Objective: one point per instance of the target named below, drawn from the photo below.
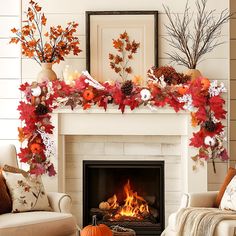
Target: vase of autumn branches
(192, 36)
(45, 47)
(47, 73)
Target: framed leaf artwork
(121, 45)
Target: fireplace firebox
(125, 193)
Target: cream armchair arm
(60, 202)
(206, 199)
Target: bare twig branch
(192, 42)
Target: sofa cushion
(37, 224)
(229, 198)
(172, 221)
(225, 227)
(27, 192)
(230, 174)
(5, 199)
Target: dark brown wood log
(124, 232)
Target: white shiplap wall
(10, 72)
(216, 65)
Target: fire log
(121, 231)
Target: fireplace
(125, 193)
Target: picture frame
(104, 26)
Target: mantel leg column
(194, 180)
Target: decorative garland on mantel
(200, 96)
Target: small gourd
(96, 230)
(104, 206)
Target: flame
(134, 205)
(113, 202)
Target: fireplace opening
(125, 193)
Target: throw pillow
(5, 199)
(27, 193)
(228, 201)
(230, 174)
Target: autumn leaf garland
(202, 98)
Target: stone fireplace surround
(136, 135)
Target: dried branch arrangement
(43, 46)
(126, 50)
(193, 37)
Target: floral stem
(214, 165)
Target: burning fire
(134, 206)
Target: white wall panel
(9, 7)
(9, 88)
(9, 68)
(8, 108)
(75, 6)
(7, 23)
(8, 50)
(8, 128)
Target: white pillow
(228, 201)
(27, 193)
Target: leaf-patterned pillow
(27, 193)
(228, 201)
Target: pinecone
(210, 126)
(41, 110)
(127, 87)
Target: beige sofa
(207, 199)
(58, 222)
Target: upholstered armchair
(58, 222)
(204, 200)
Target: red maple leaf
(161, 102)
(199, 100)
(131, 102)
(203, 153)
(201, 114)
(37, 169)
(173, 102)
(25, 155)
(198, 139)
(27, 112)
(216, 104)
(80, 83)
(86, 106)
(219, 128)
(224, 155)
(24, 86)
(51, 170)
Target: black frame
(125, 164)
(87, 20)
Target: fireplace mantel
(142, 121)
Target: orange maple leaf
(194, 120)
(43, 20)
(14, 30)
(37, 7)
(21, 135)
(118, 44)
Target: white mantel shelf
(141, 121)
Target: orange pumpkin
(35, 148)
(182, 90)
(96, 230)
(88, 95)
(205, 83)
